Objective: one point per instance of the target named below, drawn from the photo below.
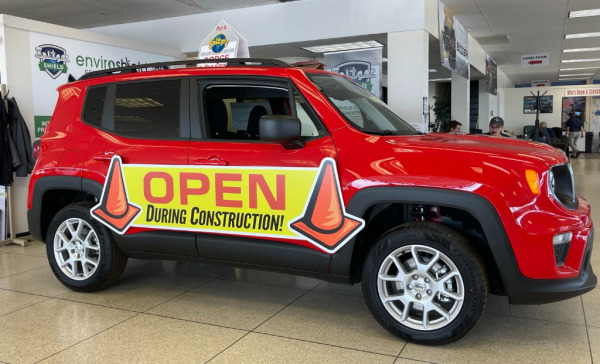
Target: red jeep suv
(257, 164)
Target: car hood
(461, 149)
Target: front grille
(562, 185)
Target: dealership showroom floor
(183, 312)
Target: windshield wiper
(378, 132)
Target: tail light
(36, 149)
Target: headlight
(562, 185)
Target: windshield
(362, 109)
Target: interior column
(408, 75)
(461, 92)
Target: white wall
(15, 53)
(513, 108)
(515, 119)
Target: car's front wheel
(424, 283)
(81, 251)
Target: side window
(233, 111)
(311, 125)
(94, 104)
(148, 109)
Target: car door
(140, 126)
(252, 185)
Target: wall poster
(546, 104)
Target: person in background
(544, 135)
(455, 127)
(497, 127)
(574, 130)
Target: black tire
(81, 250)
(434, 302)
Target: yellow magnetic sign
(257, 201)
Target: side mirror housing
(281, 129)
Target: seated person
(497, 127)
(544, 134)
(454, 127)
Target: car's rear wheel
(424, 283)
(81, 251)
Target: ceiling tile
(10, 6)
(158, 11)
(96, 20)
(119, 5)
(62, 11)
(583, 25)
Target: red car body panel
(493, 168)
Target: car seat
(217, 120)
(253, 121)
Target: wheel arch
(51, 194)
(385, 207)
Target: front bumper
(523, 290)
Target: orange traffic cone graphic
(114, 209)
(324, 221)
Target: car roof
(198, 63)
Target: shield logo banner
(53, 59)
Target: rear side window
(145, 110)
(148, 109)
(94, 104)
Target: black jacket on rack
(6, 169)
(21, 137)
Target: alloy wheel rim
(76, 249)
(420, 287)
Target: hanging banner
(491, 74)
(54, 58)
(454, 42)
(363, 66)
(223, 42)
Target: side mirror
(281, 129)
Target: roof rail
(188, 62)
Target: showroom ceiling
(507, 29)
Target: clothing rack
(10, 228)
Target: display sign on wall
(54, 58)
(454, 42)
(546, 104)
(363, 66)
(570, 92)
(491, 74)
(223, 42)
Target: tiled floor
(177, 312)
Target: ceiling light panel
(590, 49)
(584, 13)
(343, 46)
(580, 60)
(582, 35)
(577, 74)
(579, 68)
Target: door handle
(106, 156)
(213, 160)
